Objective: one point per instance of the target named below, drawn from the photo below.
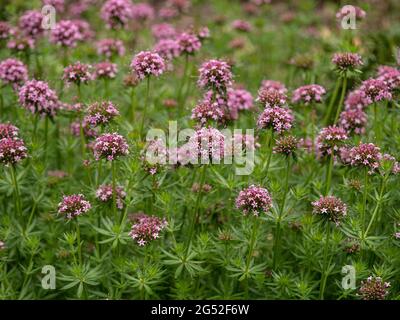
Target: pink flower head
(163, 31)
(5, 30)
(206, 111)
(110, 48)
(346, 10)
(167, 48)
(73, 206)
(188, 43)
(7, 130)
(365, 155)
(116, 13)
(254, 200)
(77, 73)
(105, 194)
(146, 228)
(243, 143)
(84, 29)
(353, 121)
(12, 151)
(105, 70)
(100, 113)
(270, 98)
(239, 99)
(374, 289)
(37, 97)
(241, 25)
(374, 90)
(59, 5)
(203, 33)
(347, 61)
(355, 100)
(20, 42)
(14, 72)
(276, 118)
(110, 146)
(390, 76)
(154, 156)
(142, 12)
(208, 144)
(331, 208)
(215, 75)
(308, 94)
(272, 84)
(179, 5)
(66, 34)
(330, 140)
(147, 63)
(30, 23)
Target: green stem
(324, 275)
(253, 238)
(114, 186)
(270, 144)
(132, 111)
(46, 130)
(16, 191)
(364, 203)
(280, 214)
(183, 82)
(339, 107)
(378, 204)
(78, 239)
(332, 101)
(146, 106)
(329, 175)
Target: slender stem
(270, 144)
(114, 189)
(196, 208)
(46, 130)
(146, 106)
(82, 136)
(253, 238)
(377, 130)
(106, 89)
(329, 175)
(364, 203)
(339, 107)
(78, 239)
(332, 101)
(324, 275)
(132, 111)
(280, 214)
(179, 97)
(378, 204)
(16, 190)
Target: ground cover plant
(123, 123)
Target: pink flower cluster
(14, 72)
(73, 205)
(110, 146)
(20, 42)
(66, 34)
(390, 76)
(146, 228)
(110, 48)
(188, 43)
(206, 144)
(374, 289)
(37, 97)
(239, 99)
(374, 90)
(308, 94)
(77, 73)
(270, 98)
(100, 113)
(147, 63)
(163, 31)
(12, 151)
(205, 111)
(5, 30)
(347, 61)
(7, 130)
(330, 207)
(275, 85)
(355, 101)
(167, 48)
(142, 12)
(116, 13)
(345, 11)
(286, 145)
(241, 25)
(105, 194)
(276, 118)
(330, 140)
(353, 121)
(30, 23)
(215, 75)
(365, 155)
(254, 200)
(59, 5)
(105, 70)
